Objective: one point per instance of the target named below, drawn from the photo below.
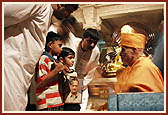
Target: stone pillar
(91, 19)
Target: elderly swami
(141, 74)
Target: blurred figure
(25, 29)
(67, 30)
(158, 56)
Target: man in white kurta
(85, 66)
(24, 34)
(25, 29)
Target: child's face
(56, 47)
(69, 60)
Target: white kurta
(26, 26)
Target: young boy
(67, 58)
(47, 91)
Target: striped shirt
(47, 96)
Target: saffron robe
(142, 76)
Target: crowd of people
(41, 56)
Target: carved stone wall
(104, 16)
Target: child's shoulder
(44, 58)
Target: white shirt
(26, 27)
(74, 98)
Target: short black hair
(74, 79)
(65, 52)
(75, 6)
(92, 33)
(52, 36)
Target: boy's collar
(47, 54)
